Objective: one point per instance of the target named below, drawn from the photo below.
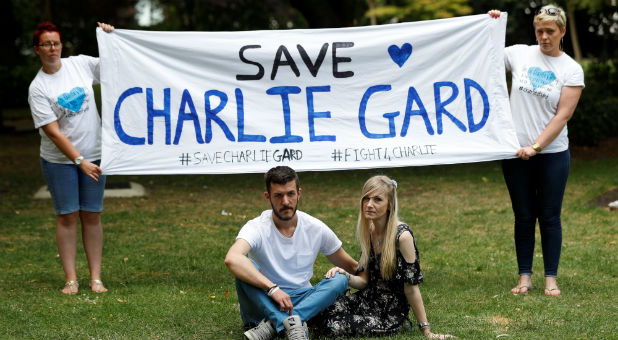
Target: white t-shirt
(537, 80)
(67, 97)
(288, 262)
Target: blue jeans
(536, 187)
(71, 189)
(255, 305)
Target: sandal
(99, 286)
(552, 291)
(521, 289)
(73, 284)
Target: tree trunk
(372, 7)
(573, 31)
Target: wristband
(423, 325)
(272, 290)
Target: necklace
(378, 241)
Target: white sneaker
(263, 331)
(295, 328)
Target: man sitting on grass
(282, 244)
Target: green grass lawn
(163, 254)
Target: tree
(414, 10)
(600, 20)
(577, 51)
(328, 13)
(592, 24)
(76, 21)
(16, 68)
(216, 15)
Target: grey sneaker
(263, 331)
(295, 328)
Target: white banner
(421, 93)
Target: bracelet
(347, 276)
(272, 290)
(423, 325)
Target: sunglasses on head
(549, 11)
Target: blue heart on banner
(72, 100)
(539, 78)
(400, 55)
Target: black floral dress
(380, 309)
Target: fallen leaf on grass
(212, 296)
(227, 292)
(183, 292)
(121, 300)
(501, 335)
(126, 259)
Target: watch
(423, 325)
(78, 160)
(537, 147)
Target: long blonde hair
(378, 185)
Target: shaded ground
(607, 148)
(606, 198)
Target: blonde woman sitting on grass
(388, 275)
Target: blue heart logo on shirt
(72, 100)
(539, 78)
(400, 55)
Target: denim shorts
(71, 189)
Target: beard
(282, 209)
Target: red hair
(42, 28)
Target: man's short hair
(280, 175)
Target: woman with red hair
(62, 103)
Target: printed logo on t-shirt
(539, 78)
(72, 100)
(72, 103)
(536, 82)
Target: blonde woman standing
(388, 275)
(546, 86)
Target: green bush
(596, 115)
(14, 82)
